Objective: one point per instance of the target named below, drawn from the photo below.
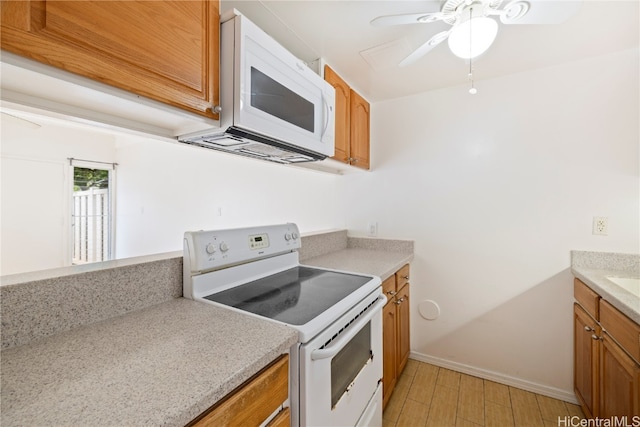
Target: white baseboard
(556, 393)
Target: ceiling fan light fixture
(484, 30)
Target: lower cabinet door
(403, 313)
(253, 402)
(619, 381)
(388, 351)
(585, 351)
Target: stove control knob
(287, 237)
(224, 247)
(294, 235)
(210, 248)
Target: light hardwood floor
(427, 395)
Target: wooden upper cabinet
(352, 123)
(164, 50)
(343, 105)
(359, 131)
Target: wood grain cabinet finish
(606, 357)
(164, 50)
(352, 129)
(395, 330)
(360, 130)
(252, 403)
(389, 354)
(619, 381)
(585, 364)
(343, 123)
(403, 340)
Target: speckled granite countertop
(593, 268)
(377, 262)
(162, 365)
(124, 349)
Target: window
(91, 213)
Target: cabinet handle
(392, 293)
(588, 329)
(595, 337)
(217, 109)
(398, 302)
(405, 277)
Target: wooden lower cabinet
(402, 324)
(606, 365)
(395, 330)
(388, 351)
(619, 381)
(253, 402)
(585, 360)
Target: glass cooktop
(293, 296)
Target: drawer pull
(595, 337)
(588, 329)
(392, 293)
(400, 301)
(405, 277)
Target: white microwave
(273, 106)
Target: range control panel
(210, 250)
(259, 241)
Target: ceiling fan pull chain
(472, 90)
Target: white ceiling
(338, 31)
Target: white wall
(165, 189)
(36, 186)
(496, 189)
(162, 190)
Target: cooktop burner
(294, 296)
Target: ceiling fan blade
(422, 50)
(409, 18)
(540, 11)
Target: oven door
(340, 369)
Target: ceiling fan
(473, 27)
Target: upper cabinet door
(359, 131)
(342, 128)
(165, 50)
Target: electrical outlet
(373, 229)
(600, 225)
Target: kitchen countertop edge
(621, 299)
(186, 378)
(379, 263)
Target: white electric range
(336, 367)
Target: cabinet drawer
(402, 277)
(283, 419)
(389, 287)
(624, 330)
(254, 401)
(587, 298)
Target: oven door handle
(344, 339)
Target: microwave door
(279, 102)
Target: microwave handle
(350, 333)
(326, 115)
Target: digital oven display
(259, 241)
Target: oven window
(271, 97)
(348, 363)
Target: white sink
(629, 284)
